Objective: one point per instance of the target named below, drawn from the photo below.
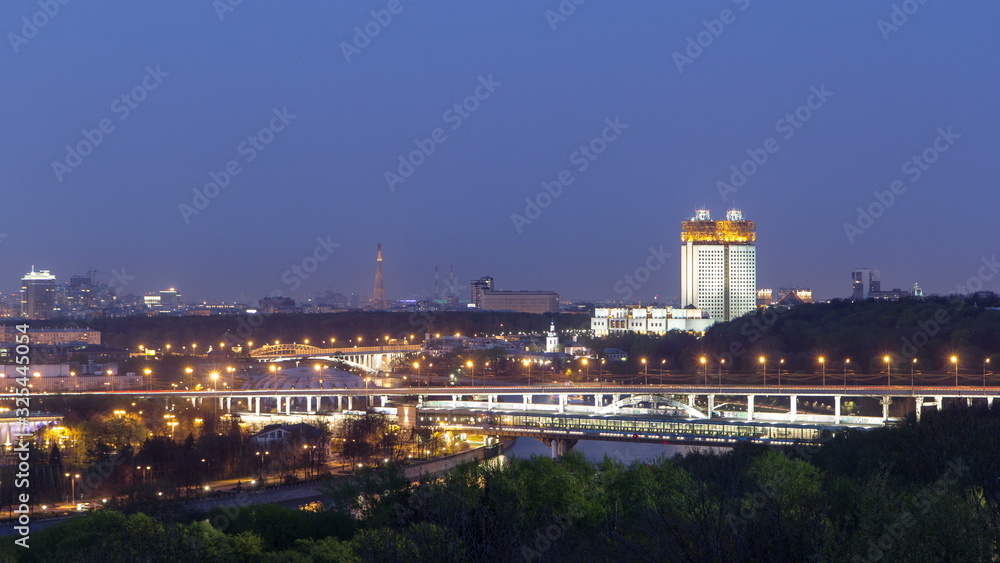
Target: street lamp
(416, 366)
(72, 486)
(646, 373)
(888, 370)
(913, 364)
(781, 361)
(954, 360)
(763, 367)
(847, 362)
(215, 380)
(985, 363)
(586, 365)
(472, 372)
(722, 361)
(822, 365)
(527, 365)
(149, 382)
(274, 375)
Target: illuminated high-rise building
(38, 295)
(719, 264)
(378, 297)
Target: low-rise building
(649, 320)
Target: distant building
(53, 336)
(719, 264)
(38, 295)
(865, 281)
(170, 299)
(378, 301)
(552, 340)
(521, 301)
(893, 295)
(648, 320)
(477, 288)
(300, 433)
(271, 305)
(787, 296)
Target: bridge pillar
(527, 400)
(598, 401)
(691, 400)
(918, 405)
(749, 407)
(383, 400)
(793, 407)
(836, 409)
(350, 402)
(288, 405)
(886, 401)
(940, 403)
(968, 401)
(454, 401)
(309, 404)
(222, 403)
(257, 402)
(562, 402)
(229, 404)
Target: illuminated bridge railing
(670, 430)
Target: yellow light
(761, 359)
(822, 359)
(954, 359)
(702, 359)
(885, 359)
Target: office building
(521, 301)
(864, 281)
(38, 295)
(719, 264)
(648, 320)
(477, 288)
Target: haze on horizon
(341, 108)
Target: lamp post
(644, 372)
(847, 362)
(781, 361)
(416, 366)
(722, 361)
(188, 372)
(527, 366)
(586, 366)
(888, 370)
(472, 371)
(149, 383)
(822, 365)
(72, 486)
(954, 360)
(763, 367)
(704, 367)
(913, 364)
(274, 375)
(985, 363)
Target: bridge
(369, 358)
(744, 402)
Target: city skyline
(488, 161)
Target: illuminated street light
(822, 365)
(954, 360)
(646, 373)
(888, 370)
(763, 367)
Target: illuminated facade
(719, 264)
(38, 295)
(648, 320)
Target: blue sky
(211, 82)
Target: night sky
(200, 80)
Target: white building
(648, 320)
(719, 264)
